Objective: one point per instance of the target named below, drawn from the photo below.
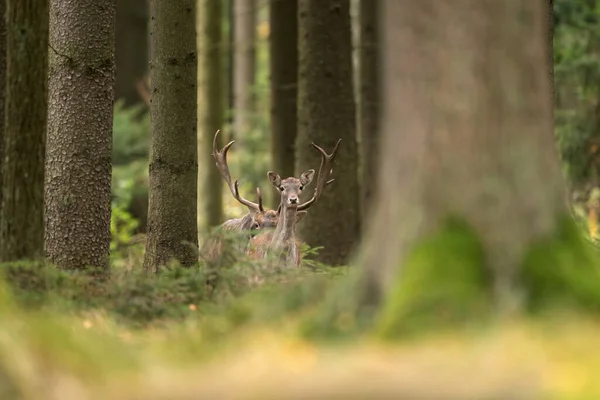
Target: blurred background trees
(257, 84)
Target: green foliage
(131, 131)
(242, 290)
(563, 270)
(577, 87)
(122, 223)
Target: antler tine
(259, 196)
(325, 171)
(221, 163)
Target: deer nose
(293, 200)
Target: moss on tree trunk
(24, 145)
(326, 112)
(78, 157)
(172, 231)
(283, 41)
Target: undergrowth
(241, 289)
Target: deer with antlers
(282, 241)
(256, 219)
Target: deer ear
(300, 215)
(274, 178)
(307, 177)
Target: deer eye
(281, 188)
(301, 187)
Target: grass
(175, 337)
(92, 356)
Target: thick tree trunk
(22, 164)
(211, 103)
(2, 88)
(78, 164)
(326, 112)
(131, 48)
(244, 65)
(172, 230)
(283, 41)
(368, 107)
(467, 132)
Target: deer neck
(286, 226)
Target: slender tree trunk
(212, 103)
(78, 163)
(550, 45)
(22, 164)
(467, 133)
(283, 41)
(326, 112)
(131, 48)
(244, 65)
(368, 107)
(172, 230)
(2, 89)
(230, 62)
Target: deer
(282, 241)
(256, 219)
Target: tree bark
(3, 89)
(468, 132)
(212, 103)
(368, 107)
(172, 230)
(229, 57)
(283, 42)
(244, 65)
(326, 112)
(22, 164)
(78, 164)
(131, 48)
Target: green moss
(562, 271)
(442, 282)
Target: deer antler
(325, 171)
(221, 163)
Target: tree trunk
(2, 89)
(131, 48)
(229, 56)
(172, 229)
(78, 164)
(283, 41)
(212, 103)
(550, 44)
(22, 211)
(326, 112)
(244, 65)
(368, 107)
(467, 134)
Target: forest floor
(91, 356)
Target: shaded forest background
(577, 127)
